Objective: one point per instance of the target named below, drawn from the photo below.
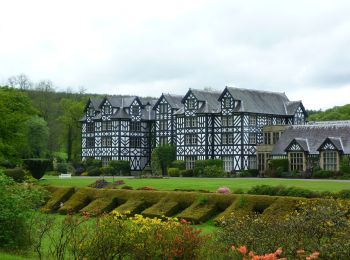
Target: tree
(15, 110)
(162, 156)
(37, 135)
(71, 135)
(20, 81)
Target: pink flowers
(223, 190)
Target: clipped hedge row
(192, 206)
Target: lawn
(210, 184)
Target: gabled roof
(336, 141)
(316, 134)
(258, 101)
(95, 103)
(301, 142)
(173, 100)
(120, 114)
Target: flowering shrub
(99, 184)
(223, 190)
(321, 225)
(119, 182)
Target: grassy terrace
(210, 184)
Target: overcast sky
(149, 47)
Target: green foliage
(37, 137)
(162, 156)
(62, 167)
(174, 172)
(187, 173)
(320, 225)
(69, 120)
(248, 173)
(120, 168)
(92, 162)
(213, 171)
(201, 164)
(283, 191)
(77, 201)
(107, 171)
(61, 157)
(181, 165)
(17, 174)
(18, 203)
(94, 171)
(277, 167)
(37, 167)
(344, 166)
(15, 110)
(322, 174)
(335, 113)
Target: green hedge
(200, 165)
(120, 167)
(79, 200)
(17, 174)
(277, 167)
(58, 195)
(37, 166)
(174, 172)
(181, 165)
(187, 173)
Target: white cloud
(150, 47)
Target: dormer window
(107, 110)
(135, 110)
(91, 111)
(191, 104)
(163, 108)
(227, 103)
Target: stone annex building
(225, 125)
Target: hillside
(335, 113)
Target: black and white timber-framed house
(202, 124)
(119, 128)
(316, 144)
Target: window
(89, 127)
(106, 126)
(228, 163)
(107, 109)
(106, 141)
(163, 108)
(252, 120)
(191, 122)
(135, 126)
(90, 142)
(227, 121)
(227, 138)
(252, 138)
(278, 121)
(252, 162)
(135, 110)
(191, 104)
(190, 161)
(262, 161)
(296, 161)
(227, 103)
(105, 160)
(330, 160)
(163, 125)
(275, 137)
(91, 112)
(267, 138)
(163, 140)
(191, 139)
(135, 142)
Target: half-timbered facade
(315, 144)
(119, 128)
(202, 124)
(165, 123)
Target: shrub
(322, 174)
(126, 187)
(344, 166)
(99, 184)
(248, 173)
(213, 172)
(343, 194)
(17, 174)
(120, 167)
(174, 172)
(277, 166)
(107, 171)
(315, 225)
(283, 191)
(37, 167)
(7, 164)
(181, 165)
(223, 190)
(93, 171)
(79, 170)
(200, 166)
(18, 203)
(186, 173)
(62, 167)
(92, 162)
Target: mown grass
(204, 183)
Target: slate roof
(174, 100)
(267, 102)
(315, 134)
